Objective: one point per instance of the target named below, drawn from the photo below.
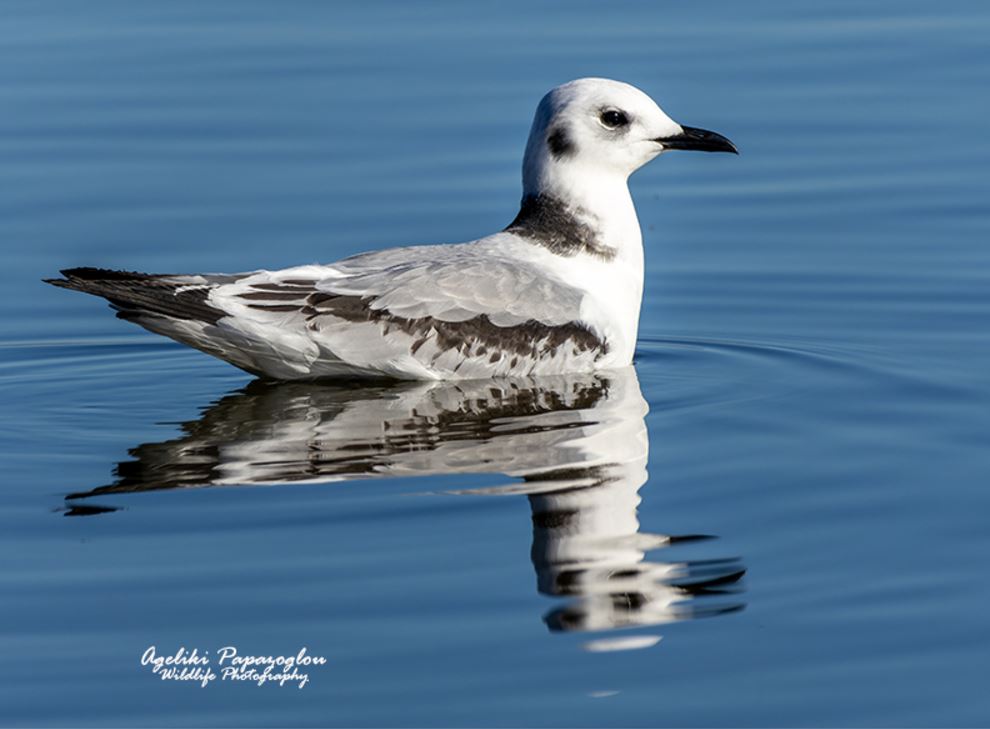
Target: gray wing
(507, 293)
(428, 312)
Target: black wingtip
(75, 274)
(89, 273)
(74, 277)
(86, 272)
(675, 539)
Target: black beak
(700, 140)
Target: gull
(557, 291)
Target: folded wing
(453, 317)
(409, 313)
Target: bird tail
(178, 306)
(136, 294)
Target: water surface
(777, 517)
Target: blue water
(811, 391)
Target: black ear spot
(560, 144)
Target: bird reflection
(575, 445)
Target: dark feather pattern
(136, 293)
(531, 338)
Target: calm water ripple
(801, 452)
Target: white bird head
(604, 128)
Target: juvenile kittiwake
(557, 291)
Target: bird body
(557, 291)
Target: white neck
(601, 200)
(597, 198)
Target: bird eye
(613, 119)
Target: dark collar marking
(548, 222)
